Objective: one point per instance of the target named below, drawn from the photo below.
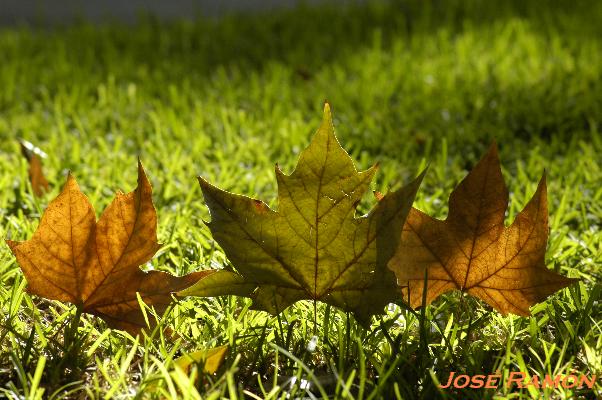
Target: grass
(412, 83)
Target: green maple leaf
(313, 247)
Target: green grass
(412, 84)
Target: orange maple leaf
(472, 251)
(95, 265)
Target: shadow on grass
(192, 60)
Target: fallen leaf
(39, 184)
(210, 358)
(472, 251)
(95, 265)
(313, 247)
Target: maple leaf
(313, 247)
(472, 251)
(39, 184)
(95, 265)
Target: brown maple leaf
(472, 251)
(95, 265)
(39, 184)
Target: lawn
(412, 83)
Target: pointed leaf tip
(11, 244)
(542, 188)
(492, 154)
(142, 177)
(70, 182)
(204, 184)
(492, 151)
(327, 115)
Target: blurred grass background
(412, 83)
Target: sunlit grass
(411, 84)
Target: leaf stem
(71, 330)
(315, 317)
